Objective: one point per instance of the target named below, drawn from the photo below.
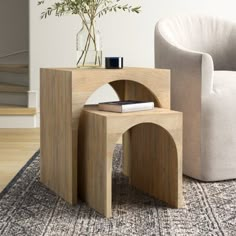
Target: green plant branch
(88, 10)
(81, 56)
(91, 8)
(86, 49)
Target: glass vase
(89, 46)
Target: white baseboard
(17, 121)
(20, 121)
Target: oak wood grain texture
(155, 157)
(64, 92)
(156, 160)
(128, 90)
(17, 146)
(17, 110)
(94, 167)
(57, 162)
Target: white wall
(127, 35)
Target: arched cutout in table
(132, 90)
(63, 93)
(155, 155)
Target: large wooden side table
(63, 94)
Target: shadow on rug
(29, 208)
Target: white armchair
(201, 53)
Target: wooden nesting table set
(77, 141)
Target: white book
(126, 106)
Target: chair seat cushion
(218, 128)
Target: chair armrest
(207, 71)
(189, 69)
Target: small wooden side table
(63, 94)
(154, 162)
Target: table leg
(154, 163)
(95, 164)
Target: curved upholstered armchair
(201, 53)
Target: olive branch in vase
(88, 10)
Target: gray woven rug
(29, 208)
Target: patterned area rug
(29, 208)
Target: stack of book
(126, 106)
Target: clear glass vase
(89, 46)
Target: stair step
(13, 88)
(16, 110)
(14, 68)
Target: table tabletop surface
(94, 109)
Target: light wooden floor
(17, 146)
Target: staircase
(14, 87)
(15, 68)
